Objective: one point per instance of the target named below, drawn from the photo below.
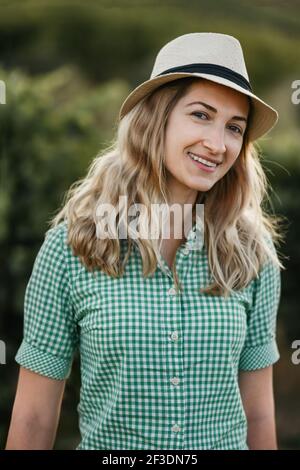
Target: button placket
(176, 428)
(174, 381)
(173, 353)
(174, 336)
(172, 292)
(186, 251)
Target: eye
(197, 113)
(237, 129)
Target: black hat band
(212, 69)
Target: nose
(214, 140)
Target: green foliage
(51, 127)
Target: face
(211, 129)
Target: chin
(201, 187)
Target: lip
(202, 167)
(206, 158)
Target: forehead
(216, 95)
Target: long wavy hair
(237, 229)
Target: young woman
(176, 335)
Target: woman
(176, 335)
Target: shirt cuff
(43, 363)
(258, 357)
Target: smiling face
(208, 121)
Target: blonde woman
(176, 334)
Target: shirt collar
(195, 237)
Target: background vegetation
(68, 65)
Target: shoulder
(53, 247)
(58, 234)
(270, 266)
(267, 284)
(56, 252)
(267, 281)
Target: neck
(188, 213)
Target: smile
(202, 163)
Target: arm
(256, 387)
(36, 412)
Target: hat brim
(263, 117)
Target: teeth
(202, 160)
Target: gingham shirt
(159, 369)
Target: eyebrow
(208, 106)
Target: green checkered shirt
(159, 369)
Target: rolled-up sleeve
(49, 332)
(260, 348)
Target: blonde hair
(236, 232)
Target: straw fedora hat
(213, 56)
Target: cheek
(172, 164)
(173, 134)
(174, 146)
(233, 152)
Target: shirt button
(175, 380)
(186, 251)
(176, 428)
(174, 336)
(172, 291)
